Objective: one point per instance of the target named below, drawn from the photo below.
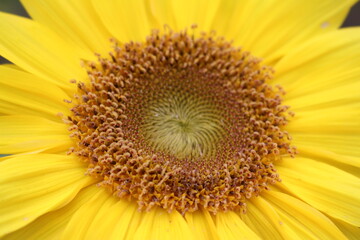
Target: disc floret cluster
(181, 121)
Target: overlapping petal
(75, 21)
(230, 226)
(32, 185)
(24, 133)
(24, 93)
(327, 188)
(51, 225)
(38, 50)
(302, 220)
(257, 26)
(325, 97)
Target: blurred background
(14, 6)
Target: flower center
(181, 122)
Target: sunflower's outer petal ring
(351, 232)
(245, 21)
(105, 217)
(255, 25)
(24, 93)
(230, 226)
(327, 188)
(202, 224)
(75, 21)
(32, 185)
(40, 51)
(51, 225)
(325, 97)
(305, 221)
(22, 133)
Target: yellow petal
(323, 72)
(111, 213)
(75, 21)
(32, 185)
(20, 133)
(126, 20)
(251, 23)
(127, 224)
(305, 221)
(325, 153)
(24, 93)
(342, 145)
(51, 225)
(269, 29)
(201, 13)
(40, 51)
(161, 225)
(202, 225)
(338, 119)
(327, 188)
(163, 13)
(230, 226)
(80, 222)
(262, 218)
(321, 78)
(351, 232)
(10, 65)
(321, 51)
(103, 217)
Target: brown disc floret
(182, 122)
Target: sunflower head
(182, 131)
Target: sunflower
(180, 120)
